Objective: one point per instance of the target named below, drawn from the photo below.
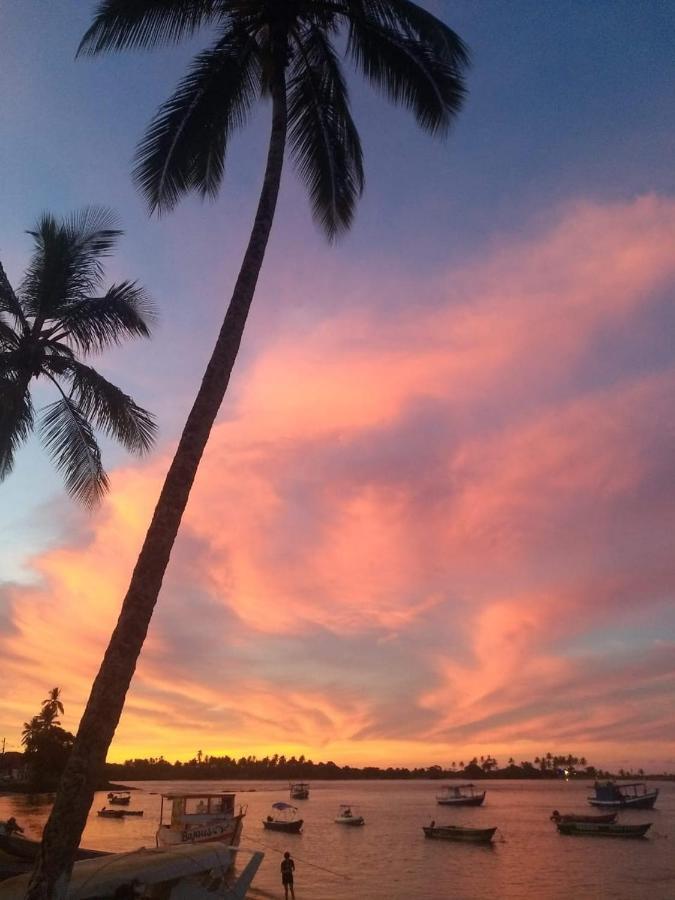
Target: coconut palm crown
(290, 45)
(60, 315)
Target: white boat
(610, 795)
(200, 817)
(177, 873)
(299, 790)
(346, 816)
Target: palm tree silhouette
(58, 316)
(52, 707)
(283, 50)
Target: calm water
(389, 858)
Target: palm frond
(16, 419)
(9, 338)
(411, 72)
(94, 323)
(66, 264)
(412, 20)
(184, 146)
(69, 439)
(126, 24)
(324, 139)
(107, 407)
(9, 302)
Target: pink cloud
(449, 487)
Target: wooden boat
(200, 817)
(346, 816)
(604, 819)
(131, 812)
(119, 798)
(284, 819)
(460, 795)
(299, 790)
(459, 833)
(601, 829)
(25, 849)
(192, 872)
(106, 813)
(610, 795)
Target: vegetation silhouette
(46, 745)
(58, 316)
(282, 50)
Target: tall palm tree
(284, 51)
(59, 316)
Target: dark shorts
(287, 879)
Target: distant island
(280, 767)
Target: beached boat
(610, 795)
(459, 833)
(119, 798)
(606, 818)
(202, 872)
(460, 795)
(284, 819)
(600, 829)
(200, 817)
(299, 790)
(346, 816)
(106, 813)
(22, 848)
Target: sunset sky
(436, 516)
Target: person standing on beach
(287, 869)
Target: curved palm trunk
(76, 791)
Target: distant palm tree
(58, 316)
(283, 50)
(52, 705)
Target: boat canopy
(191, 796)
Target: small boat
(200, 817)
(346, 816)
(25, 849)
(119, 798)
(284, 819)
(201, 872)
(600, 829)
(604, 819)
(106, 813)
(459, 833)
(610, 795)
(131, 812)
(299, 790)
(460, 795)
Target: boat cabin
(199, 817)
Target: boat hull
(228, 832)
(353, 821)
(23, 848)
(645, 802)
(477, 800)
(457, 833)
(288, 827)
(607, 819)
(598, 829)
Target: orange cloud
(411, 527)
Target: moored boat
(602, 829)
(25, 849)
(299, 790)
(119, 798)
(106, 813)
(200, 817)
(459, 833)
(610, 795)
(346, 816)
(284, 819)
(460, 795)
(606, 818)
